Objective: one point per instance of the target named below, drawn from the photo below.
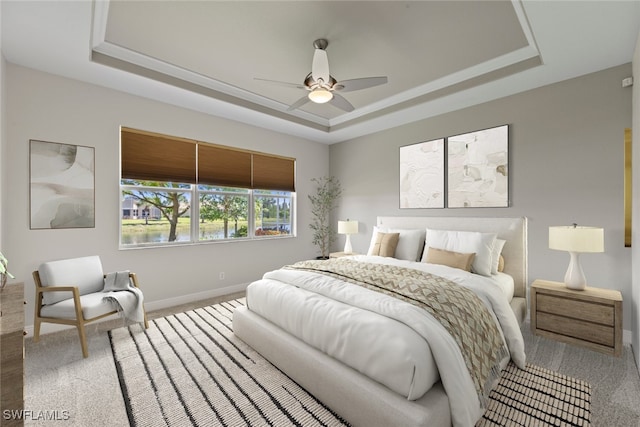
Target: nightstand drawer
(583, 310)
(586, 331)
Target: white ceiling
(206, 55)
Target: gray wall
(566, 165)
(50, 108)
(566, 160)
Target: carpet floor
(190, 369)
(58, 378)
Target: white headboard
(513, 230)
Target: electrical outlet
(221, 276)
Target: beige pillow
(501, 264)
(450, 258)
(385, 244)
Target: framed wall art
(62, 185)
(477, 168)
(422, 175)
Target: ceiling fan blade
(287, 84)
(299, 103)
(341, 103)
(357, 84)
(320, 65)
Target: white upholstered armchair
(72, 292)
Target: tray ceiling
(437, 55)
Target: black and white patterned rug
(189, 369)
(536, 396)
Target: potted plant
(328, 191)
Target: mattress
(379, 347)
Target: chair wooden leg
(83, 339)
(146, 322)
(36, 329)
(134, 281)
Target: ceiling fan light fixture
(320, 95)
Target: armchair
(70, 292)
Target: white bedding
(348, 325)
(505, 282)
(379, 347)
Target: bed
(351, 347)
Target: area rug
(536, 396)
(189, 369)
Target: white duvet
(390, 341)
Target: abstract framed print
(477, 166)
(422, 175)
(61, 186)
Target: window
(273, 213)
(224, 213)
(175, 190)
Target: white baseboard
(186, 299)
(47, 328)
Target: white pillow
(464, 241)
(495, 254)
(409, 246)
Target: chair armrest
(75, 295)
(134, 279)
(75, 292)
(57, 288)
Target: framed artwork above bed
(475, 172)
(422, 175)
(477, 169)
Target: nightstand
(341, 254)
(591, 318)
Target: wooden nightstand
(591, 318)
(341, 254)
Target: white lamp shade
(576, 239)
(347, 227)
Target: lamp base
(574, 278)
(347, 245)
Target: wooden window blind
(224, 167)
(273, 173)
(154, 157)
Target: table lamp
(576, 239)
(348, 227)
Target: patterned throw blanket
(459, 310)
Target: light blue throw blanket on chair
(125, 297)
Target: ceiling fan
(323, 87)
